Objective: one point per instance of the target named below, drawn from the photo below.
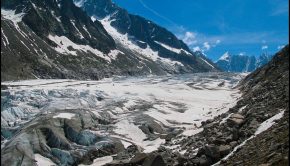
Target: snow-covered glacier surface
(140, 111)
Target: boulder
(211, 151)
(154, 160)
(138, 158)
(204, 161)
(134, 148)
(146, 129)
(219, 141)
(63, 156)
(235, 120)
(235, 134)
(229, 138)
(224, 150)
(233, 144)
(169, 136)
(254, 124)
(237, 116)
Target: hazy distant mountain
(241, 63)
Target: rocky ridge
(57, 39)
(143, 32)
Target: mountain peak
(225, 56)
(241, 63)
(79, 3)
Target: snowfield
(141, 110)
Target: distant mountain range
(89, 39)
(242, 63)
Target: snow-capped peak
(79, 3)
(225, 56)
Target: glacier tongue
(120, 111)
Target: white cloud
(264, 47)
(197, 39)
(280, 47)
(189, 38)
(197, 48)
(259, 37)
(206, 46)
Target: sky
(244, 27)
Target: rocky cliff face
(242, 63)
(57, 39)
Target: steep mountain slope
(241, 63)
(142, 32)
(56, 39)
(45, 38)
(254, 132)
(268, 89)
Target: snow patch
(93, 18)
(126, 144)
(79, 33)
(225, 57)
(79, 3)
(242, 108)
(135, 135)
(10, 15)
(178, 51)
(269, 123)
(24, 44)
(226, 118)
(64, 115)
(207, 63)
(100, 161)
(57, 18)
(6, 39)
(63, 43)
(114, 53)
(190, 132)
(84, 27)
(130, 131)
